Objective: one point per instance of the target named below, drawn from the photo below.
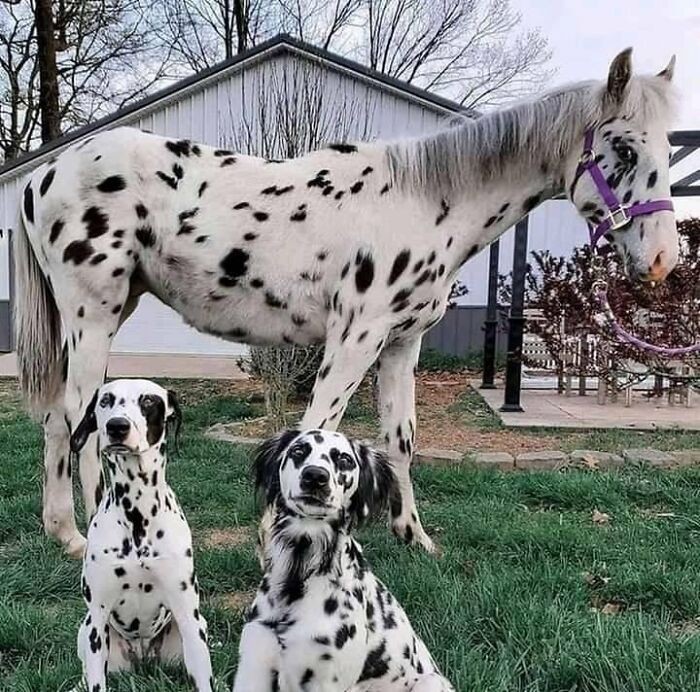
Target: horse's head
(618, 175)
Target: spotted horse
(354, 246)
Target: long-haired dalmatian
(354, 246)
(321, 621)
(138, 576)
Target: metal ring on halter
(587, 157)
(619, 218)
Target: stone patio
(547, 409)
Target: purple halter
(618, 214)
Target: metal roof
(279, 45)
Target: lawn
(530, 593)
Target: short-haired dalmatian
(138, 576)
(321, 621)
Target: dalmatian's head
(323, 475)
(130, 417)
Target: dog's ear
(377, 486)
(266, 464)
(86, 427)
(174, 418)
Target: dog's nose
(118, 429)
(314, 478)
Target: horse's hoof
(416, 536)
(75, 548)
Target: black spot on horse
(653, 176)
(46, 182)
(167, 179)
(202, 188)
(228, 161)
(399, 266)
(343, 148)
(97, 259)
(56, 229)
(235, 265)
(146, 236)
(444, 211)
(490, 221)
(180, 148)
(356, 187)
(78, 251)
(367, 170)
(364, 274)
(298, 215)
(29, 203)
(261, 215)
(141, 210)
(96, 222)
(273, 301)
(115, 183)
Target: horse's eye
(625, 153)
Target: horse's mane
(540, 131)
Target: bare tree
(63, 63)
(470, 50)
(48, 78)
(474, 51)
(19, 108)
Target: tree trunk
(239, 10)
(48, 78)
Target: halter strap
(618, 215)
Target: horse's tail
(40, 358)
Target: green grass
(506, 608)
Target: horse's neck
(482, 215)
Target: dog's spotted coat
(321, 620)
(138, 577)
(329, 248)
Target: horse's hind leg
(58, 512)
(398, 417)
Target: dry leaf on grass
(226, 538)
(600, 518)
(236, 600)
(600, 605)
(686, 628)
(588, 461)
(595, 581)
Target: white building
(211, 106)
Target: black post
(491, 321)
(516, 321)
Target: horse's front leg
(345, 363)
(397, 410)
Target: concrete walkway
(156, 365)
(546, 408)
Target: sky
(585, 35)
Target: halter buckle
(618, 218)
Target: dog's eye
(147, 401)
(346, 462)
(106, 401)
(296, 452)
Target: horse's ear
(266, 464)
(85, 428)
(667, 72)
(377, 485)
(619, 75)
